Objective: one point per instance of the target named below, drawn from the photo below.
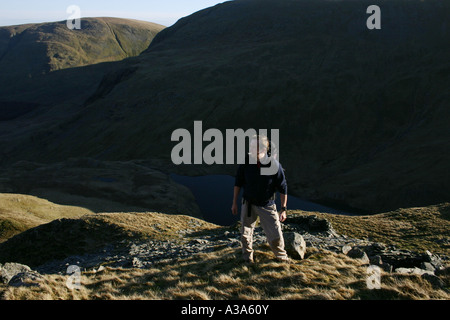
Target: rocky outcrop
(319, 233)
(295, 245)
(16, 275)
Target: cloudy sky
(165, 12)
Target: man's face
(255, 152)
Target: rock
(357, 253)
(427, 266)
(442, 271)
(346, 249)
(376, 260)
(9, 270)
(311, 223)
(375, 249)
(434, 260)
(435, 281)
(199, 241)
(387, 267)
(318, 224)
(414, 270)
(137, 263)
(295, 245)
(403, 258)
(26, 279)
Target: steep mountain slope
(32, 49)
(362, 113)
(30, 52)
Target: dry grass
(153, 225)
(66, 237)
(222, 276)
(21, 212)
(417, 229)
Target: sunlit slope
(33, 49)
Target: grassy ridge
(419, 229)
(33, 49)
(34, 241)
(19, 213)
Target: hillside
(19, 213)
(30, 52)
(148, 255)
(96, 186)
(362, 113)
(33, 49)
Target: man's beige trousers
(270, 222)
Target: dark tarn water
(214, 196)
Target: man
(259, 200)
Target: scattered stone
(26, 279)
(200, 241)
(137, 263)
(442, 271)
(357, 253)
(414, 270)
(387, 267)
(295, 245)
(312, 224)
(376, 260)
(9, 270)
(434, 260)
(427, 266)
(297, 233)
(346, 249)
(100, 269)
(16, 274)
(435, 281)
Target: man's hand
(283, 215)
(234, 209)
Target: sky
(165, 12)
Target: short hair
(263, 141)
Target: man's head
(259, 145)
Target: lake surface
(214, 196)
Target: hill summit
(32, 49)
